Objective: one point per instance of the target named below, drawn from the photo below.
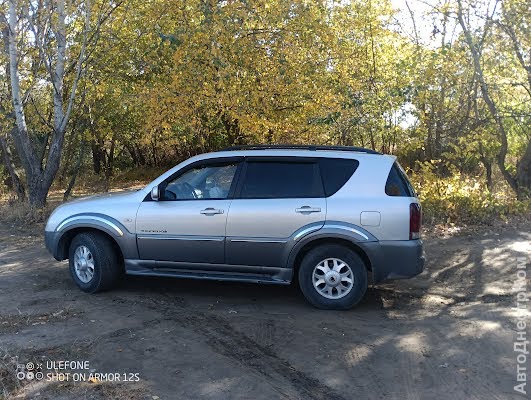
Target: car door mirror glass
(155, 193)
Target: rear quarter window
(336, 172)
(397, 183)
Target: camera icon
(39, 375)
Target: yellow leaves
(241, 61)
(456, 197)
(165, 126)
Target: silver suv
(329, 216)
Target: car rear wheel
(94, 263)
(333, 277)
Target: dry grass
(450, 202)
(21, 214)
(13, 388)
(8, 379)
(82, 390)
(16, 214)
(88, 183)
(15, 323)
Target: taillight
(415, 220)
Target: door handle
(307, 210)
(211, 211)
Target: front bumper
(50, 241)
(395, 259)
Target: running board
(240, 273)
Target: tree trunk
(136, 154)
(524, 174)
(18, 187)
(488, 172)
(70, 148)
(440, 106)
(37, 192)
(40, 177)
(109, 164)
(507, 26)
(97, 157)
(75, 172)
(493, 110)
(371, 137)
(269, 136)
(132, 153)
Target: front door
(188, 222)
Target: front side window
(267, 180)
(201, 183)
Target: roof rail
(299, 147)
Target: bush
(22, 214)
(462, 199)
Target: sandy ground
(447, 334)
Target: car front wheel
(333, 277)
(94, 263)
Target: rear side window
(397, 183)
(268, 180)
(336, 172)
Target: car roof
(311, 147)
(372, 160)
(293, 152)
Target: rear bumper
(395, 259)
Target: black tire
(107, 262)
(353, 260)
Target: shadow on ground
(447, 334)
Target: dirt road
(447, 334)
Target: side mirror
(155, 193)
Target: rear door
(275, 198)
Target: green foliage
(168, 79)
(460, 198)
